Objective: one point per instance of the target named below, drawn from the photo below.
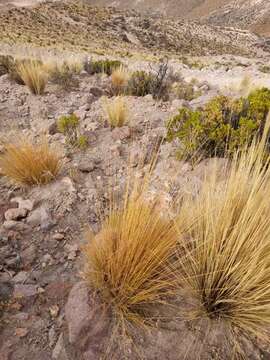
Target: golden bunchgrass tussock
(33, 75)
(127, 261)
(29, 164)
(224, 247)
(120, 77)
(116, 111)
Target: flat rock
(24, 290)
(15, 225)
(16, 214)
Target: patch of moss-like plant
(221, 127)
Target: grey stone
(40, 217)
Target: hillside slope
(252, 14)
(76, 25)
(249, 14)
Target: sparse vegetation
(140, 83)
(224, 252)
(64, 75)
(69, 126)
(30, 164)
(33, 75)
(101, 66)
(223, 126)
(116, 112)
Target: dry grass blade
(116, 111)
(33, 75)
(29, 164)
(127, 261)
(224, 252)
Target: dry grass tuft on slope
(33, 75)
(116, 111)
(30, 164)
(224, 257)
(127, 261)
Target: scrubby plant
(119, 80)
(140, 83)
(69, 126)
(116, 111)
(127, 261)
(101, 66)
(221, 127)
(64, 75)
(30, 164)
(82, 142)
(224, 246)
(33, 75)
(157, 82)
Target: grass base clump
(127, 261)
(222, 126)
(116, 112)
(32, 74)
(30, 164)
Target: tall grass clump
(30, 164)
(224, 247)
(33, 75)
(127, 261)
(116, 111)
(119, 80)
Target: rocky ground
(41, 231)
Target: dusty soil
(40, 254)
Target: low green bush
(140, 83)
(221, 127)
(101, 66)
(64, 76)
(69, 126)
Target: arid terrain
(47, 309)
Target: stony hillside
(250, 14)
(253, 14)
(78, 26)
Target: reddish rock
(88, 322)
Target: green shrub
(82, 142)
(101, 66)
(69, 126)
(221, 127)
(140, 83)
